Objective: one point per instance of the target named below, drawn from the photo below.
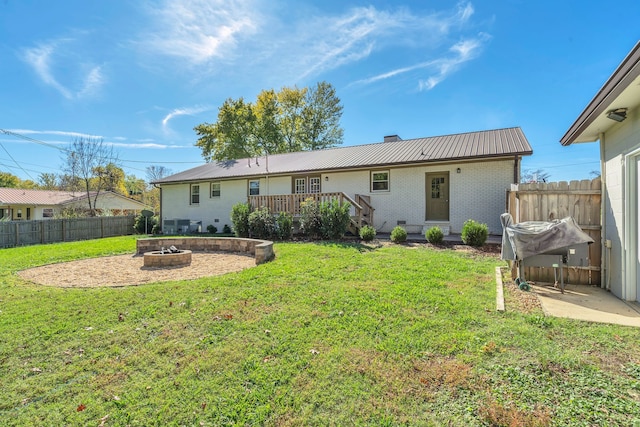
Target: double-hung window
(215, 189)
(380, 181)
(254, 187)
(195, 194)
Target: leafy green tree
(9, 180)
(320, 125)
(48, 181)
(278, 122)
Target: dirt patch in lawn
(129, 270)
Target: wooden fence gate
(556, 200)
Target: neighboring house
(613, 118)
(416, 183)
(19, 204)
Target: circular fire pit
(167, 258)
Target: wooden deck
(362, 211)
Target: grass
(326, 334)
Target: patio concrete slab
(588, 303)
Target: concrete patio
(589, 303)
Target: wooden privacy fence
(22, 233)
(556, 200)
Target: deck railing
(291, 203)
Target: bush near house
(310, 218)
(334, 219)
(152, 224)
(262, 224)
(367, 233)
(212, 229)
(434, 235)
(226, 229)
(284, 226)
(474, 233)
(240, 217)
(398, 234)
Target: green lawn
(326, 334)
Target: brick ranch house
(416, 183)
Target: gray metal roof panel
(491, 143)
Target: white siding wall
(478, 193)
(622, 139)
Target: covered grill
(544, 244)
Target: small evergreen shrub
(212, 229)
(226, 229)
(434, 235)
(262, 225)
(284, 226)
(151, 224)
(334, 219)
(474, 233)
(367, 233)
(310, 218)
(398, 234)
(240, 218)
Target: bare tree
(156, 173)
(87, 160)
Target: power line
(14, 161)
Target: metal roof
(18, 196)
(464, 146)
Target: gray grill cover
(529, 238)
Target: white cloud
(39, 58)
(253, 38)
(183, 112)
(199, 30)
(464, 51)
(44, 59)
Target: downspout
(516, 169)
(605, 252)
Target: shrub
(212, 229)
(434, 235)
(334, 219)
(262, 225)
(284, 226)
(310, 218)
(398, 234)
(474, 233)
(151, 224)
(367, 233)
(240, 217)
(226, 229)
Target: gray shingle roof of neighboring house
(464, 146)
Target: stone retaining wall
(262, 250)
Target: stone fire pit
(167, 258)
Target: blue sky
(142, 74)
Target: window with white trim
(300, 186)
(215, 189)
(195, 194)
(47, 213)
(314, 184)
(380, 181)
(254, 187)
